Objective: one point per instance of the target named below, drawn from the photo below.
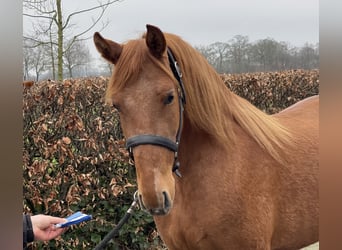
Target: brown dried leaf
(60, 100)
(44, 127)
(66, 140)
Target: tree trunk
(37, 75)
(70, 70)
(52, 58)
(26, 71)
(60, 40)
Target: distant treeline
(239, 55)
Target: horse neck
(196, 145)
(244, 124)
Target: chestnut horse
(241, 179)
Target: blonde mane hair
(211, 106)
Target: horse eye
(169, 99)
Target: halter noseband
(161, 140)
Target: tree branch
(38, 16)
(92, 26)
(90, 9)
(37, 42)
(76, 37)
(39, 6)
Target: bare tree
(48, 19)
(238, 51)
(76, 56)
(239, 55)
(27, 63)
(209, 53)
(220, 51)
(35, 60)
(264, 52)
(308, 56)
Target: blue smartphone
(73, 219)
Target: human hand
(44, 227)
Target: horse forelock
(129, 66)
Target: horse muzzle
(163, 206)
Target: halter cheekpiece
(161, 140)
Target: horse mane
(211, 106)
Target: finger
(56, 220)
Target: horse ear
(155, 41)
(108, 49)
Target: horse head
(146, 94)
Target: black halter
(161, 140)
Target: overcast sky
(204, 22)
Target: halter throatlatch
(161, 140)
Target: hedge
(74, 157)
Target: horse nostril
(167, 202)
(161, 209)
